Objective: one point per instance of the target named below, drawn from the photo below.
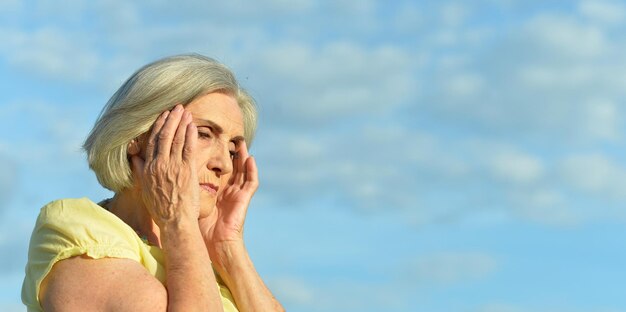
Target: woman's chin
(207, 207)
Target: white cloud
(338, 80)
(546, 206)
(55, 132)
(357, 7)
(408, 19)
(516, 167)
(371, 168)
(596, 174)
(553, 78)
(431, 178)
(602, 119)
(605, 12)
(567, 37)
(453, 14)
(308, 88)
(228, 10)
(117, 16)
(49, 52)
(446, 268)
(464, 84)
(542, 76)
(336, 97)
(68, 10)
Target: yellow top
(72, 227)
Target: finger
(233, 175)
(236, 176)
(156, 128)
(252, 176)
(191, 140)
(236, 163)
(242, 153)
(240, 163)
(179, 138)
(166, 135)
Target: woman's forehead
(218, 110)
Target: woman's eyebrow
(205, 122)
(216, 128)
(238, 139)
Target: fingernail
(178, 108)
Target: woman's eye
(204, 135)
(233, 154)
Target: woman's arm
(238, 272)
(191, 282)
(224, 238)
(109, 284)
(113, 284)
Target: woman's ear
(133, 147)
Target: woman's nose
(220, 161)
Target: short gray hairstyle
(151, 90)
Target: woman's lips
(211, 188)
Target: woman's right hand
(167, 173)
(170, 192)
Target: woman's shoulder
(81, 219)
(75, 226)
(73, 209)
(69, 205)
(71, 227)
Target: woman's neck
(128, 206)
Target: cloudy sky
(414, 155)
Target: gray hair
(151, 90)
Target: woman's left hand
(232, 206)
(223, 236)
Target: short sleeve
(68, 228)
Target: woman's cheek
(203, 150)
(224, 180)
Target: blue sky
(414, 155)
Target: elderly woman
(172, 145)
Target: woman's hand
(232, 206)
(167, 176)
(224, 238)
(170, 193)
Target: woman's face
(220, 133)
